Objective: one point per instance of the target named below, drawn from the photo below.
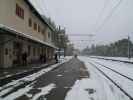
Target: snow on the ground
(68, 57)
(44, 91)
(125, 83)
(59, 75)
(121, 58)
(85, 89)
(103, 88)
(81, 89)
(124, 68)
(31, 78)
(116, 58)
(38, 74)
(62, 58)
(18, 93)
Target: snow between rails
(98, 87)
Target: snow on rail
(120, 59)
(109, 90)
(118, 80)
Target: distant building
(22, 29)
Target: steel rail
(114, 71)
(121, 89)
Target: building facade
(22, 29)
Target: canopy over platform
(7, 30)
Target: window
(38, 28)
(35, 26)
(19, 11)
(30, 22)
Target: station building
(23, 29)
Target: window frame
(19, 11)
(39, 29)
(35, 26)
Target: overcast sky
(88, 17)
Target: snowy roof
(13, 31)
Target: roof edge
(34, 10)
(6, 28)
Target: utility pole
(129, 49)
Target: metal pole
(129, 56)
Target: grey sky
(86, 16)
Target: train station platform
(8, 72)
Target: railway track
(113, 60)
(5, 80)
(104, 71)
(114, 71)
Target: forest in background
(120, 48)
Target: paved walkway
(64, 77)
(7, 72)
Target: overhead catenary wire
(115, 83)
(109, 15)
(97, 20)
(105, 5)
(42, 7)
